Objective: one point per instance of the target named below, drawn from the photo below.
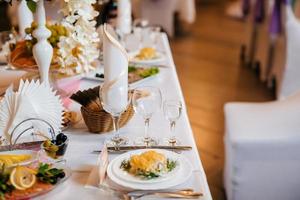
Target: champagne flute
(172, 111)
(111, 101)
(146, 101)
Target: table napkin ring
(96, 119)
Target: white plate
(34, 155)
(159, 59)
(124, 179)
(92, 76)
(121, 174)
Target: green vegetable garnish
(5, 185)
(171, 164)
(131, 69)
(50, 175)
(149, 72)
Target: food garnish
(49, 175)
(148, 165)
(22, 177)
(5, 185)
(56, 148)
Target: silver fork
(185, 193)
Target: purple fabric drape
(276, 21)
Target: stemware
(110, 101)
(146, 101)
(172, 111)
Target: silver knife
(121, 149)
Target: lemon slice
(22, 177)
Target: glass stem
(172, 130)
(116, 126)
(147, 122)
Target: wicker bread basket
(96, 119)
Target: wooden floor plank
(210, 75)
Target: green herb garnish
(5, 185)
(131, 69)
(149, 72)
(49, 175)
(171, 164)
(125, 165)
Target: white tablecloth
(82, 143)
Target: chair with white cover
(161, 12)
(262, 150)
(288, 77)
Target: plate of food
(136, 74)
(149, 169)
(26, 182)
(17, 157)
(146, 56)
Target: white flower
(79, 49)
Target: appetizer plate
(34, 156)
(43, 191)
(92, 76)
(158, 59)
(179, 175)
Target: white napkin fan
(32, 100)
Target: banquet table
(81, 160)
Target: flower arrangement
(74, 39)
(80, 48)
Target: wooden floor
(208, 67)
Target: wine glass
(172, 111)
(146, 101)
(115, 101)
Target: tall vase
(42, 50)
(25, 17)
(124, 16)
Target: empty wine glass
(146, 101)
(115, 101)
(172, 111)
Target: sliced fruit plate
(25, 182)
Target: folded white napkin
(98, 173)
(115, 58)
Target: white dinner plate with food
(18, 157)
(156, 58)
(149, 169)
(136, 74)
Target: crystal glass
(146, 101)
(111, 103)
(172, 111)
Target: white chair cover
(262, 154)
(290, 78)
(161, 12)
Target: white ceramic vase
(25, 17)
(124, 16)
(42, 50)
